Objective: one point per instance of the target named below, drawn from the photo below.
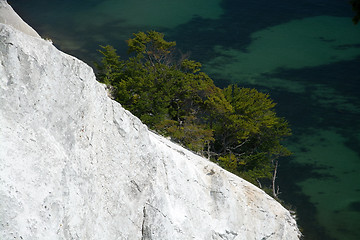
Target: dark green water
(306, 54)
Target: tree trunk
(275, 193)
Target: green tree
(236, 127)
(110, 66)
(252, 133)
(160, 87)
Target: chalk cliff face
(75, 165)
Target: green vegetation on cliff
(235, 127)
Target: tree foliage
(236, 127)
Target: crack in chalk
(136, 185)
(227, 235)
(134, 223)
(165, 169)
(158, 210)
(143, 224)
(117, 124)
(267, 237)
(231, 232)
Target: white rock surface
(75, 165)
(9, 16)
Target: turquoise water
(306, 54)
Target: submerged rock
(75, 165)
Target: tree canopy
(235, 127)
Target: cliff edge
(10, 17)
(75, 165)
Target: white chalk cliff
(75, 165)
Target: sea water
(305, 54)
